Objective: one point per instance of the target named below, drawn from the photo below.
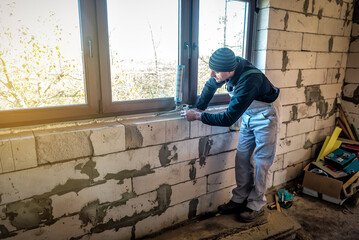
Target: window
(67, 60)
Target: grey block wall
(351, 84)
(302, 46)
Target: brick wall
(302, 46)
(112, 180)
(351, 83)
(123, 178)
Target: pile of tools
(339, 159)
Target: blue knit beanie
(223, 60)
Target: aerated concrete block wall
(127, 178)
(116, 180)
(302, 46)
(350, 99)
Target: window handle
(90, 47)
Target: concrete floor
(308, 219)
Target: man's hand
(192, 115)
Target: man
(252, 97)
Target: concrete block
(23, 151)
(49, 180)
(347, 11)
(142, 203)
(331, 26)
(327, 8)
(177, 129)
(54, 146)
(172, 174)
(64, 228)
(314, 42)
(354, 46)
(344, 60)
(121, 234)
(269, 178)
(188, 190)
(295, 157)
(321, 122)
(352, 75)
(300, 60)
(305, 111)
(283, 79)
(347, 28)
(287, 174)
(329, 91)
(108, 139)
(277, 19)
(299, 127)
(277, 163)
(341, 44)
(219, 130)
(118, 163)
(337, 75)
(273, 59)
(283, 40)
(292, 95)
(283, 131)
(223, 142)
(328, 60)
(171, 216)
(221, 180)
(211, 201)
(352, 109)
(313, 76)
(349, 90)
(354, 118)
(152, 132)
(300, 22)
(318, 136)
(355, 30)
(70, 203)
(353, 60)
(199, 129)
(290, 144)
(215, 163)
(288, 113)
(6, 157)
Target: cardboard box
(326, 188)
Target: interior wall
(302, 46)
(126, 178)
(350, 98)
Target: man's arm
(208, 92)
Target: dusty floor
(321, 220)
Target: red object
(330, 167)
(353, 147)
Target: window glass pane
(143, 39)
(221, 24)
(40, 54)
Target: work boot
(231, 207)
(249, 215)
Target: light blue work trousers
(258, 134)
